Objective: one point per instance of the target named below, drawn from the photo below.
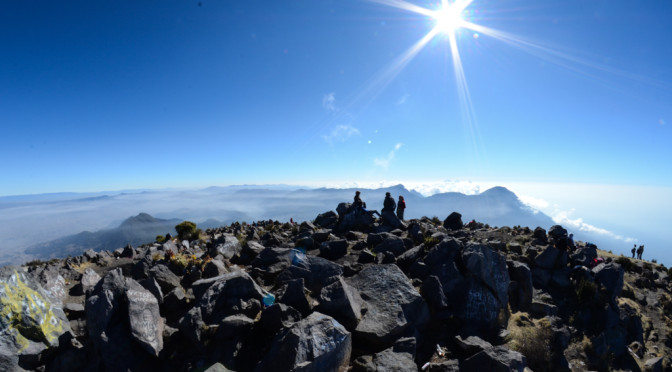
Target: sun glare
(448, 18)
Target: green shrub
(626, 263)
(160, 239)
(436, 221)
(186, 230)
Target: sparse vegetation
(626, 263)
(436, 221)
(160, 239)
(187, 230)
(430, 242)
(533, 338)
(585, 291)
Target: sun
(449, 17)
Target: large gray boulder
(317, 343)
(521, 289)
(552, 258)
(398, 358)
(343, 302)
(124, 322)
(327, 219)
(230, 294)
(30, 322)
(394, 307)
(610, 275)
(392, 244)
(227, 245)
(166, 279)
(453, 221)
(313, 270)
(488, 288)
(441, 262)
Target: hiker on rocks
(389, 204)
(633, 250)
(640, 250)
(360, 207)
(401, 205)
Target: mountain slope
(136, 230)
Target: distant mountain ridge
(497, 206)
(135, 230)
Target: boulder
(52, 282)
(127, 252)
(278, 316)
(89, 280)
(440, 261)
(293, 294)
(327, 219)
(145, 323)
(391, 244)
(495, 359)
(317, 343)
(334, 249)
(471, 345)
(551, 258)
(314, 271)
(390, 219)
(30, 322)
(539, 235)
(230, 294)
(400, 357)
(432, 292)
(227, 245)
(341, 301)
(166, 279)
(558, 237)
(488, 268)
(453, 221)
(214, 268)
(610, 275)
(394, 307)
(521, 289)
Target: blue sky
(104, 95)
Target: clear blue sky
(104, 95)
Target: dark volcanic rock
(343, 302)
(495, 359)
(334, 249)
(166, 279)
(394, 307)
(317, 343)
(453, 221)
(327, 219)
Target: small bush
(160, 239)
(186, 230)
(430, 242)
(626, 263)
(535, 343)
(436, 221)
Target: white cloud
(535, 203)
(385, 162)
(340, 133)
(403, 99)
(329, 101)
(563, 218)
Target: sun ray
(400, 4)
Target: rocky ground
(341, 293)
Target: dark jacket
(389, 204)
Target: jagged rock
(192, 325)
(488, 284)
(169, 246)
(406, 259)
(232, 333)
(495, 359)
(293, 295)
(317, 343)
(539, 235)
(394, 307)
(153, 287)
(314, 270)
(584, 255)
(278, 316)
(217, 367)
(30, 322)
(390, 219)
(432, 292)
(452, 365)
(551, 258)
(334, 249)
(89, 280)
(127, 252)
(141, 268)
(440, 261)
(230, 294)
(166, 279)
(654, 364)
(343, 302)
(227, 245)
(520, 288)
(52, 282)
(116, 298)
(453, 221)
(399, 357)
(175, 304)
(471, 345)
(327, 219)
(214, 268)
(366, 256)
(392, 244)
(610, 275)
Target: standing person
(570, 242)
(634, 249)
(640, 250)
(388, 203)
(401, 205)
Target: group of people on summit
(388, 205)
(639, 251)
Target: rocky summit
(344, 292)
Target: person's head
(357, 192)
(571, 235)
(387, 194)
(401, 197)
